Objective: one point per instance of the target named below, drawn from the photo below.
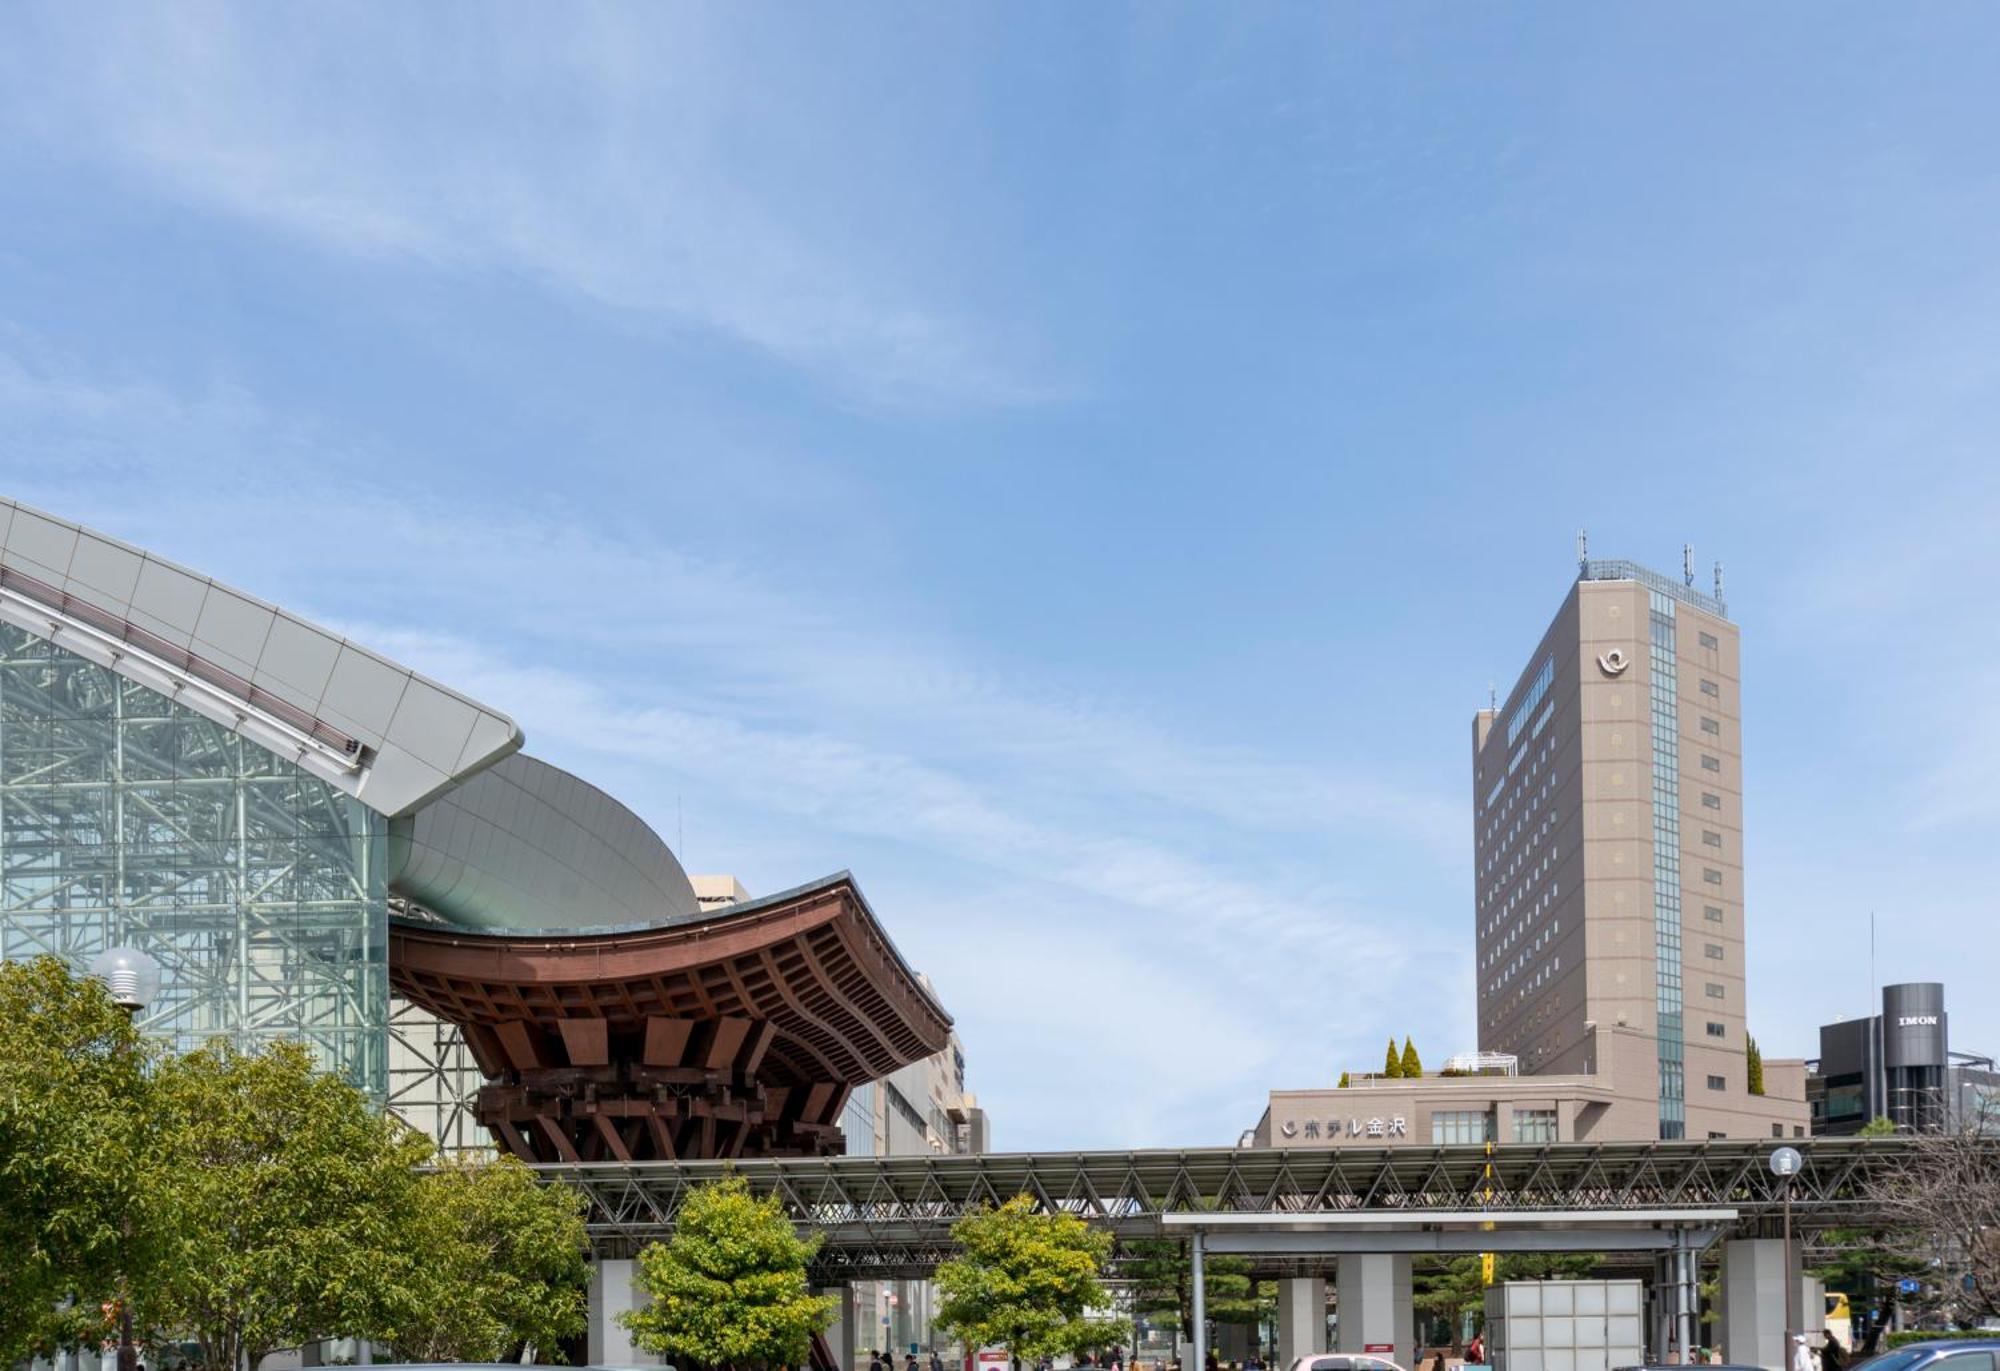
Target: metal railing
(1615, 570)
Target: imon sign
(1916, 1021)
(1394, 1127)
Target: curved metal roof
(376, 730)
(527, 846)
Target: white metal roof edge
(421, 737)
(1499, 1218)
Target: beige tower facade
(1608, 836)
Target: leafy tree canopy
(279, 1204)
(1753, 1059)
(1343, 1082)
(1412, 1066)
(503, 1262)
(1024, 1281)
(70, 1077)
(730, 1287)
(1392, 1065)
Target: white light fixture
(132, 977)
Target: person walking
(1830, 1358)
(1802, 1357)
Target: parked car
(1352, 1361)
(1944, 1354)
(1676, 1366)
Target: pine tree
(1412, 1066)
(1393, 1066)
(1754, 1061)
(1343, 1082)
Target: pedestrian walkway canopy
(892, 1216)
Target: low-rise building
(1898, 1065)
(1483, 1097)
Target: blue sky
(1077, 467)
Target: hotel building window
(1710, 689)
(1711, 875)
(1709, 763)
(1534, 1125)
(1709, 725)
(1713, 951)
(1461, 1126)
(1714, 991)
(1717, 1083)
(1716, 1030)
(1708, 640)
(1712, 913)
(1710, 800)
(1710, 838)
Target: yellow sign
(1487, 1263)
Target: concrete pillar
(1301, 1318)
(1374, 1304)
(611, 1293)
(1753, 1302)
(842, 1339)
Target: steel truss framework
(128, 817)
(890, 1217)
(433, 1081)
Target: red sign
(1379, 1347)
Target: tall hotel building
(1608, 830)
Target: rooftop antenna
(1582, 548)
(1687, 565)
(1718, 580)
(1492, 699)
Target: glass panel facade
(128, 818)
(857, 1121)
(1667, 865)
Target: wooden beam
(609, 1132)
(522, 1042)
(725, 1040)
(587, 1041)
(667, 1041)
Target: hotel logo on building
(1394, 1127)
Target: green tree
(1343, 1082)
(1877, 1127)
(279, 1205)
(729, 1288)
(1024, 1280)
(1753, 1061)
(502, 1262)
(1392, 1066)
(71, 1087)
(1412, 1067)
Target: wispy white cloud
(640, 161)
(1056, 846)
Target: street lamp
(133, 978)
(1785, 1163)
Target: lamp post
(1785, 1163)
(133, 979)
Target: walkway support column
(1753, 1302)
(1199, 1252)
(840, 1334)
(611, 1293)
(1301, 1318)
(1685, 1295)
(1374, 1303)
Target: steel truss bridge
(890, 1217)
